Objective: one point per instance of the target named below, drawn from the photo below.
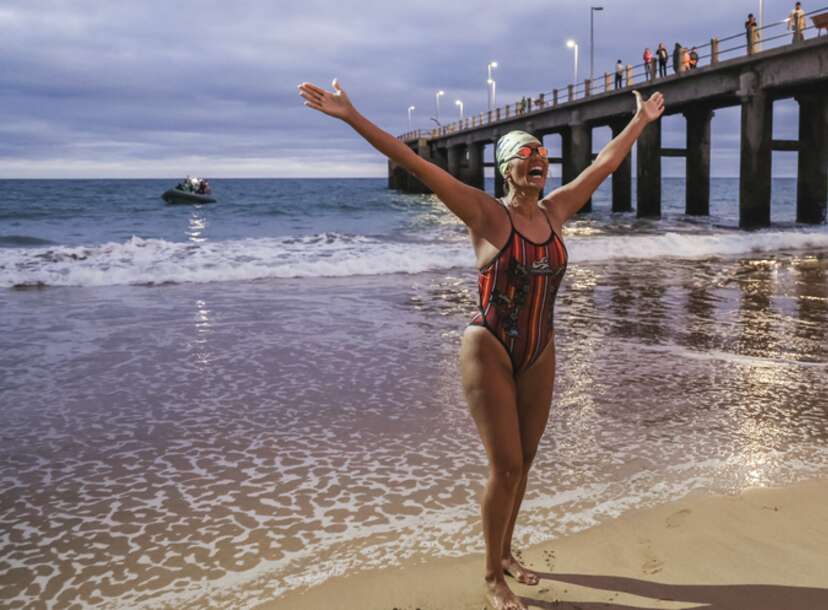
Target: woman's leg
(490, 391)
(534, 398)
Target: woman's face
(530, 172)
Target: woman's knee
(507, 473)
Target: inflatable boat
(178, 196)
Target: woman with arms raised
(507, 356)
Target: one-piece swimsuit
(517, 294)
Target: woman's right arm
(466, 202)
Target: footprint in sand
(549, 559)
(652, 566)
(677, 519)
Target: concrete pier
(812, 167)
(698, 161)
(751, 81)
(648, 171)
(755, 162)
(473, 175)
(622, 177)
(577, 155)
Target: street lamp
(574, 45)
(493, 85)
(459, 103)
(592, 10)
(410, 110)
(439, 93)
(761, 23)
(489, 82)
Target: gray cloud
(90, 88)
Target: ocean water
(207, 407)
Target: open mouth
(536, 172)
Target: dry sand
(765, 549)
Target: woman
(507, 356)
(648, 60)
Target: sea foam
(156, 261)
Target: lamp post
(490, 83)
(410, 110)
(574, 45)
(592, 10)
(460, 104)
(761, 23)
(437, 97)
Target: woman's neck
(523, 201)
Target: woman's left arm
(567, 199)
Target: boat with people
(189, 190)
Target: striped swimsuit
(517, 294)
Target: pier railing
(711, 53)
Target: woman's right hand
(333, 103)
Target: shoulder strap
(549, 222)
(506, 209)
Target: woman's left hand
(652, 108)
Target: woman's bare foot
(500, 597)
(518, 572)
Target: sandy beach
(763, 549)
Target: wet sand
(217, 446)
(763, 549)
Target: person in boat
(507, 353)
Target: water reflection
(195, 230)
(202, 355)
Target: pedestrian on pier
(677, 58)
(507, 354)
(662, 54)
(685, 60)
(751, 33)
(619, 74)
(694, 58)
(648, 61)
(796, 22)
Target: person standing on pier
(507, 354)
(685, 60)
(648, 61)
(752, 34)
(796, 22)
(662, 54)
(677, 58)
(619, 74)
(694, 58)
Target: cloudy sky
(159, 88)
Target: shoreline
(761, 549)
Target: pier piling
(812, 170)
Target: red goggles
(524, 152)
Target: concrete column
(440, 157)
(500, 189)
(577, 155)
(411, 183)
(648, 171)
(812, 171)
(392, 183)
(697, 173)
(474, 174)
(755, 165)
(622, 177)
(454, 160)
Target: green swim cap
(508, 145)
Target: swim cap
(508, 145)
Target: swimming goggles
(525, 152)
